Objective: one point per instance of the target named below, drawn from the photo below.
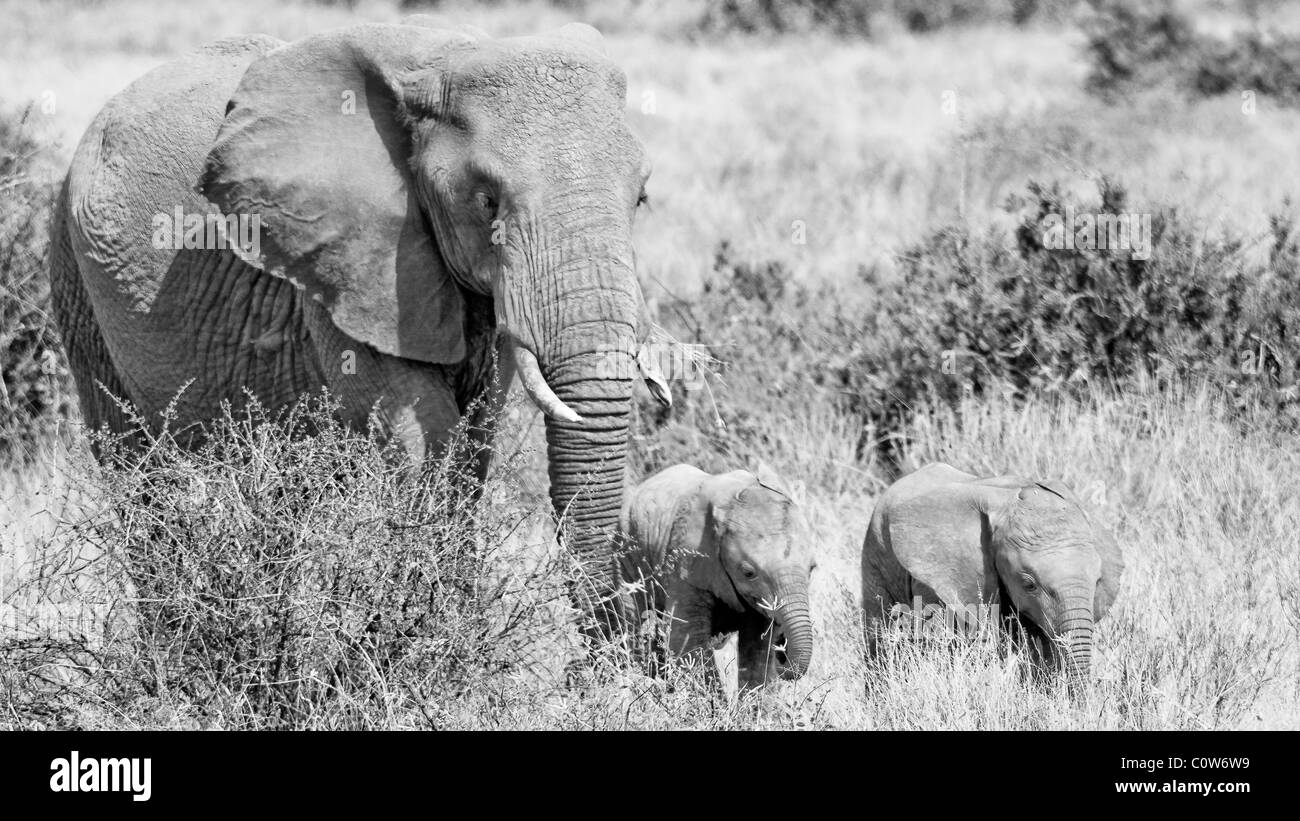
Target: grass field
(870, 145)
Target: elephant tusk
(654, 378)
(530, 376)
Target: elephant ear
(698, 523)
(315, 145)
(942, 536)
(1112, 560)
(1112, 572)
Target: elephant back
(163, 122)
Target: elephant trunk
(795, 626)
(585, 340)
(1075, 630)
(587, 464)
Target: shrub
(920, 16)
(748, 324)
(859, 18)
(1132, 42)
(1036, 319)
(35, 386)
(1141, 43)
(1265, 63)
(974, 315)
(274, 579)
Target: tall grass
(275, 580)
(1200, 491)
(35, 386)
(1204, 496)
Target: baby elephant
(721, 554)
(946, 538)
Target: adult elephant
(399, 203)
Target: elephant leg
(876, 604)
(755, 656)
(690, 629)
(414, 401)
(647, 602)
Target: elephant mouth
(779, 646)
(778, 642)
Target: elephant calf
(942, 537)
(721, 554)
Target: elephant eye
(1028, 580)
(747, 570)
(642, 199)
(486, 203)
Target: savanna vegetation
(845, 240)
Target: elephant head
(740, 539)
(1028, 543)
(398, 170)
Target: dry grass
(1206, 631)
(1204, 635)
(749, 135)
